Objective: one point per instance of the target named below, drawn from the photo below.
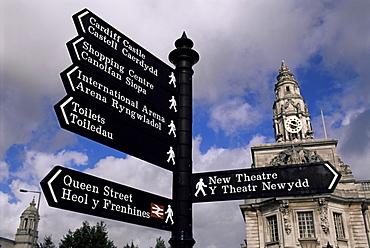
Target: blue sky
(241, 46)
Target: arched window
(31, 225)
(25, 223)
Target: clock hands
(293, 124)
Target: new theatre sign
(273, 181)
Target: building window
(339, 228)
(306, 225)
(25, 222)
(272, 228)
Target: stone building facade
(340, 219)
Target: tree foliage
(131, 246)
(160, 243)
(47, 243)
(87, 237)
(90, 237)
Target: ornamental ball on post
(183, 51)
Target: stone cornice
(287, 144)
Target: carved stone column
(285, 213)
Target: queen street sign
(79, 192)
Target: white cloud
(220, 158)
(352, 131)
(234, 116)
(354, 145)
(4, 171)
(258, 140)
(350, 115)
(9, 216)
(37, 164)
(134, 173)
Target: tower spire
(291, 117)
(284, 73)
(283, 66)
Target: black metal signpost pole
(183, 57)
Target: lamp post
(32, 191)
(38, 209)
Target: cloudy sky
(241, 46)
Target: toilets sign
(101, 124)
(79, 192)
(288, 180)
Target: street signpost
(79, 192)
(122, 96)
(272, 181)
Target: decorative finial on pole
(183, 51)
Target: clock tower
(338, 219)
(291, 117)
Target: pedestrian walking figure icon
(172, 129)
(200, 187)
(173, 104)
(172, 79)
(171, 156)
(169, 213)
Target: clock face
(293, 124)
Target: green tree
(160, 243)
(131, 246)
(87, 237)
(47, 243)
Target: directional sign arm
(94, 123)
(123, 48)
(62, 106)
(79, 17)
(272, 181)
(51, 187)
(335, 173)
(79, 192)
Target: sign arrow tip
(51, 188)
(335, 173)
